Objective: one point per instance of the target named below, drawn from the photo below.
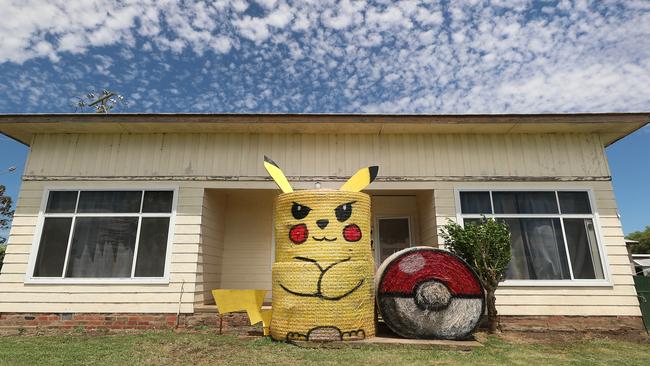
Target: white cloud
(281, 17)
(348, 55)
(255, 29)
(429, 18)
(222, 44)
(392, 17)
(72, 42)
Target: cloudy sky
(501, 56)
(328, 56)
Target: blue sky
(337, 56)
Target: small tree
(643, 237)
(6, 213)
(486, 248)
(3, 248)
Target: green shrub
(3, 249)
(486, 248)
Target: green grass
(167, 348)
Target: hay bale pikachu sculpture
(323, 270)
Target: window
(553, 236)
(104, 234)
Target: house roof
(611, 126)
(642, 262)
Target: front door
(393, 235)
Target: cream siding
(248, 240)
(213, 227)
(387, 206)
(237, 156)
(223, 230)
(427, 218)
(18, 296)
(617, 299)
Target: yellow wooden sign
(250, 301)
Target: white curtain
(537, 250)
(102, 247)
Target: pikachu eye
(344, 211)
(299, 211)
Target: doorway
(393, 235)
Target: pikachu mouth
(318, 293)
(324, 238)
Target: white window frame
(607, 281)
(378, 245)
(29, 275)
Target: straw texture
(323, 274)
(425, 292)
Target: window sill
(556, 283)
(97, 281)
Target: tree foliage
(643, 237)
(3, 249)
(486, 248)
(6, 213)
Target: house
(640, 263)
(127, 220)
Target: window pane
(102, 247)
(472, 221)
(524, 202)
(52, 248)
(574, 202)
(61, 202)
(152, 247)
(475, 203)
(394, 235)
(538, 251)
(583, 249)
(109, 201)
(157, 201)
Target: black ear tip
(373, 172)
(268, 160)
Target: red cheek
(298, 233)
(352, 233)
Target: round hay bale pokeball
(424, 292)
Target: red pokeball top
(406, 272)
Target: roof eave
(612, 126)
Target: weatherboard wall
(19, 295)
(433, 166)
(238, 156)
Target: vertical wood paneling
(240, 155)
(438, 155)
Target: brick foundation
(91, 321)
(238, 322)
(617, 324)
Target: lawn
(167, 348)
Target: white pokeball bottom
(456, 321)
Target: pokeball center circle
(432, 295)
(412, 263)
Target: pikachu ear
(277, 175)
(360, 179)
